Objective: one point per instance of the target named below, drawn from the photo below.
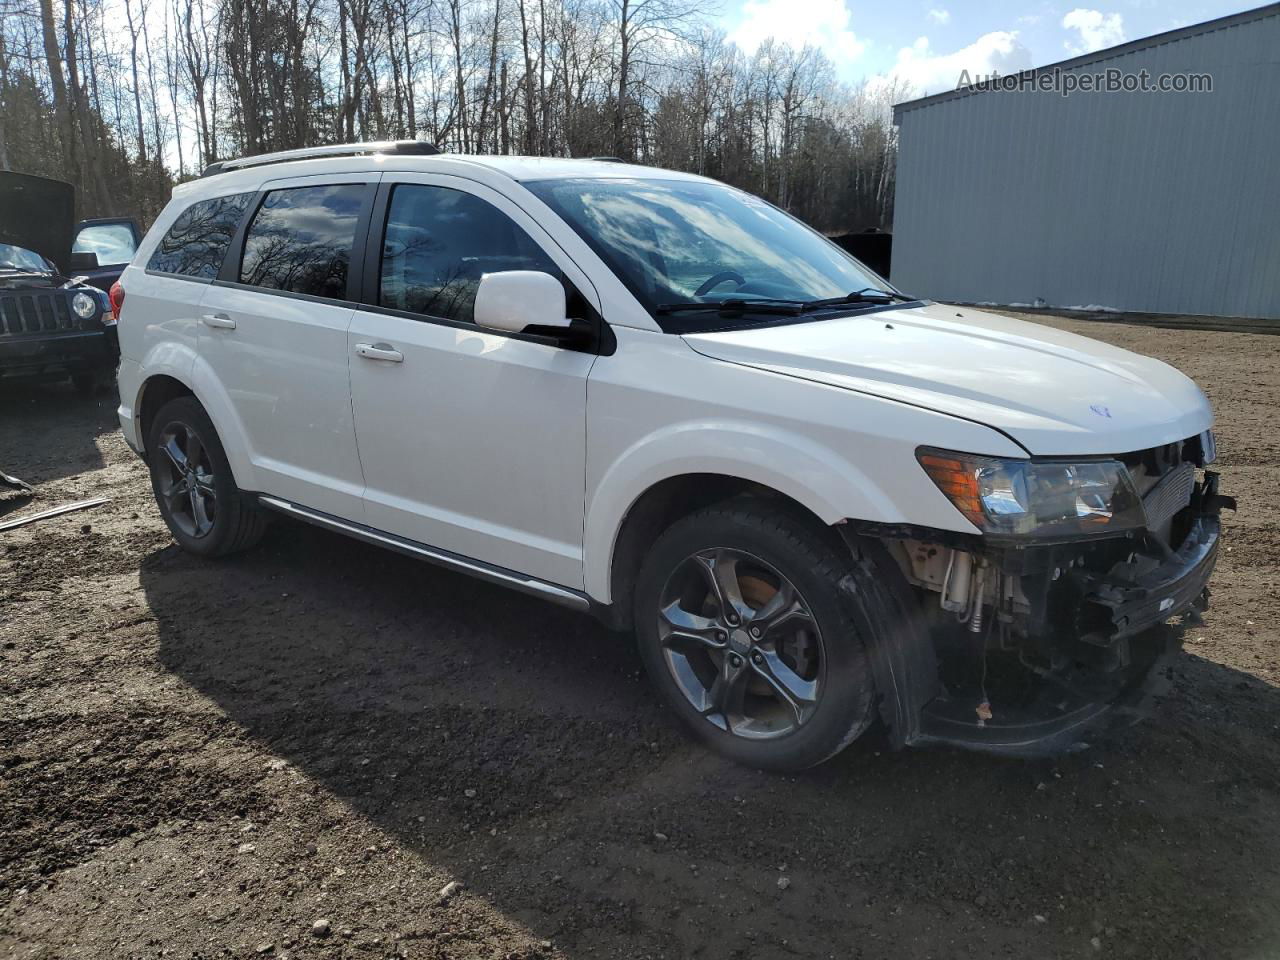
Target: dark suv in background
(56, 317)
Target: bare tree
(4, 89)
(647, 80)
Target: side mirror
(86, 260)
(514, 300)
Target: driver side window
(439, 242)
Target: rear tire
(193, 485)
(780, 559)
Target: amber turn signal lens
(959, 481)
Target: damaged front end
(1037, 638)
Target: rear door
(273, 335)
(472, 440)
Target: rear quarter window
(198, 240)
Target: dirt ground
(203, 759)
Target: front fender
(827, 484)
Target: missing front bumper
(1130, 605)
(1060, 718)
(1089, 646)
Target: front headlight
(1037, 498)
(84, 305)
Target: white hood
(1055, 393)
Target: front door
(471, 440)
(273, 335)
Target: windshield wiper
(865, 295)
(735, 307)
(777, 305)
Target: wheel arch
(770, 459)
(155, 392)
(167, 381)
(666, 501)
(902, 661)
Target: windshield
(677, 243)
(20, 258)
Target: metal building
(1150, 202)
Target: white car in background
(815, 500)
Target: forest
(123, 98)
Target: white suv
(815, 500)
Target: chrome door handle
(219, 321)
(379, 351)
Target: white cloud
(1095, 29)
(940, 16)
(929, 72)
(820, 23)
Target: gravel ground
(295, 751)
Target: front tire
(750, 623)
(193, 485)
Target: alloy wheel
(741, 643)
(186, 480)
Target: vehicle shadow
(48, 431)
(515, 745)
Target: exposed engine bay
(1034, 639)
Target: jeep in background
(55, 313)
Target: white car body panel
(528, 457)
(1056, 393)
(159, 340)
(129, 382)
(284, 371)
(657, 409)
(500, 477)
(474, 443)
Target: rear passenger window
(300, 240)
(437, 245)
(196, 243)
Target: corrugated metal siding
(1144, 202)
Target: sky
(928, 43)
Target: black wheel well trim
(904, 663)
(661, 505)
(157, 390)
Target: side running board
(484, 571)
